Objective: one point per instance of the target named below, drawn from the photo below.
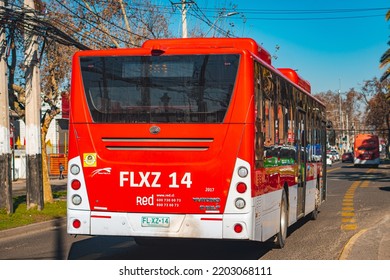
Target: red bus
(191, 138)
(366, 150)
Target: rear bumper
(367, 162)
(180, 226)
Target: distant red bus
(192, 138)
(366, 150)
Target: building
(56, 138)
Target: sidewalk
(370, 243)
(19, 186)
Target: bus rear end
(366, 150)
(157, 143)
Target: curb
(348, 247)
(32, 228)
(373, 245)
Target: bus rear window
(159, 89)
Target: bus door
(323, 152)
(302, 158)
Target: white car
(329, 160)
(336, 155)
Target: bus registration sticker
(150, 221)
(89, 159)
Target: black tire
(281, 236)
(314, 214)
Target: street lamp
(218, 18)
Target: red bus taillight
(75, 185)
(76, 223)
(241, 187)
(238, 228)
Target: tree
(341, 110)
(343, 113)
(377, 115)
(56, 67)
(110, 23)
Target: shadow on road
(125, 248)
(59, 237)
(121, 248)
(386, 189)
(379, 174)
(129, 248)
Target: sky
(334, 44)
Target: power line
(333, 11)
(28, 20)
(361, 13)
(105, 20)
(197, 13)
(92, 23)
(297, 12)
(313, 18)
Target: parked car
(347, 157)
(329, 160)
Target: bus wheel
(283, 223)
(314, 214)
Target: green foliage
(22, 216)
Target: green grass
(22, 216)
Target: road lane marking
(349, 226)
(365, 184)
(348, 221)
(333, 169)
(350, 214)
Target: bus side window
(259, 119)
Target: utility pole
(347, 136)
(5, 149)
(33, 105)
(341, 137)
(184, 8)
(184, 18)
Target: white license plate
(150, 221)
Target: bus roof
(293, 76)
(159, 46)
(366, 135)
(210, 43)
